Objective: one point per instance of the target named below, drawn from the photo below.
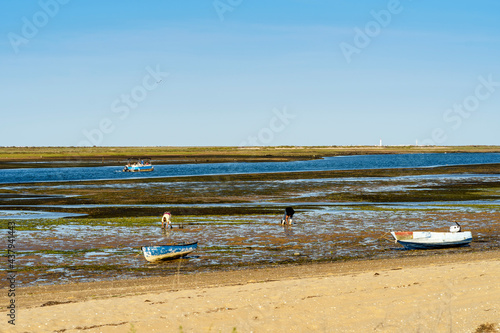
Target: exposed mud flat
(235, 218)
(95, 249)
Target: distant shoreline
(25, 157)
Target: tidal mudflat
(235, 218)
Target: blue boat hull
(163, 252)
(423, 246)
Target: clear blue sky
(245, 72)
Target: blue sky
(241, 72)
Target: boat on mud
(164, 252)
(421, 240)
(138, 165)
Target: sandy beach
(444, 293)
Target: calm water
(329, 163)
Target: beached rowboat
(415, 240)
(162, 252)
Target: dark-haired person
(287, 219)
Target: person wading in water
(287, 219)
(165, 220)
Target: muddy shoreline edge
(48, 295)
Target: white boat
(138, 165)
(416, 240)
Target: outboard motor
(455, 228)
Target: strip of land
(446, 293)
(16, 157)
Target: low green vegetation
(203, 154)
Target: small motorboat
(163, 252)
(420, 240)
(138, 165)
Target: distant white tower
(380, 142)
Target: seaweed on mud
(339, 217)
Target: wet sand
(445, 293)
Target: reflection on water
(288, 230)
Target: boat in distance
(138, 165)
(164, 252)
(421, 240)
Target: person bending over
(165, 220)
(287, 219)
